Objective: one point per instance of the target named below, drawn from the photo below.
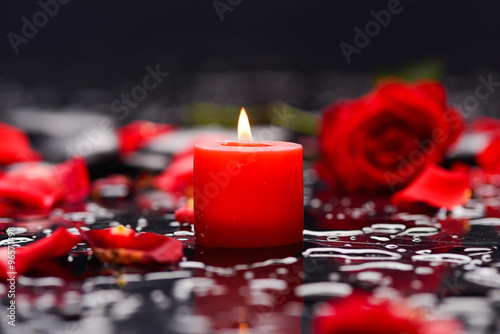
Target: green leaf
(424, 69)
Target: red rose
(384, 139)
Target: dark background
(92, 51)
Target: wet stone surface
(447, 262)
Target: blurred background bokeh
(84, 58)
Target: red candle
(247, 193)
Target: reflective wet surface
(445, 262)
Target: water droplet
(354, 254)
(420, 231)
(345, 201)
(388, 228)
(416, 284)
(370, 276)
(15, 240)
(20, 230)
(374, 237)
(338, 233)
(392, 265)
(442, 257)
(282, 271)
(315, 203)
(424, 270)
(323, 289)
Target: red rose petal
(185, 214)
(360, 313)
(436, 187)
(486, 125)
(356, 314)
(27, 257)
(39, 186)
(433, 89)
(55, 267)
(15, 146)
(74, 176)
(138, 133)
(177, 177)
(489, 159)
(32, 186)
(121, 245)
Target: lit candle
(248, 193)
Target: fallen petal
(435, 187)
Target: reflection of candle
(256, 295)
(247, 193)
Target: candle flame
(244, 132)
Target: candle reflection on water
(256, 289)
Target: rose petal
(361, 313)
(123, 246)
(486, 125)
(489, 158)
(185, 214)
(433, 89)
(56, 267)
(138, 133)
(31, 185)
(39, 186)
(177, 177)
(436, 187)
(27, 257)
(74, 176)
(15, 146)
